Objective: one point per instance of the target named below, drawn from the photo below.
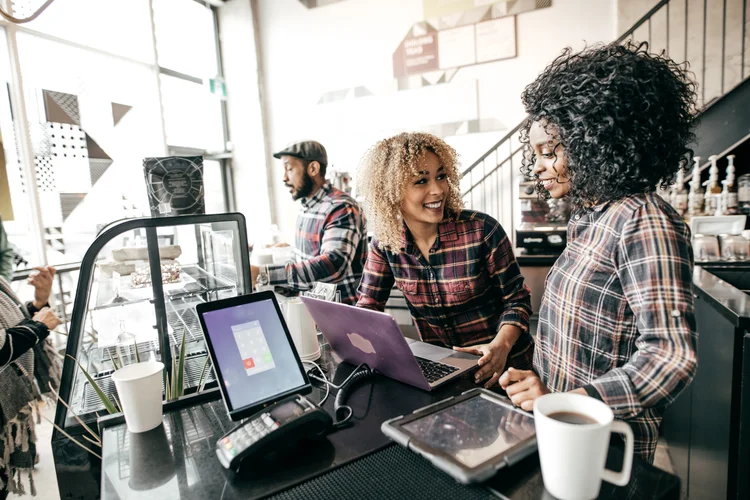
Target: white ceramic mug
(572, 456)
(139, 391)
(302, 327)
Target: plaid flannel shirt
(617, 314)
(330, 244)
(460, 295)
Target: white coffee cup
(573, 456)
(139, 391)
(302, 327)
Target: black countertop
(732, 302)
(177, 460)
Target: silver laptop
(365, 336)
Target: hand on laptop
(492, 362)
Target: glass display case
(139, 284)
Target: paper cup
(139, 391)
(302, 328)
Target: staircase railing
(719, 62)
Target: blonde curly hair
(383, 175)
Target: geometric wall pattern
(119, 111)
(61, 107)
(67, 160)
(97, 167)
(45, 175)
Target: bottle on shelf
(743, 194)
(712, 198)
(729, 194)
(695, 196)
(678, 197)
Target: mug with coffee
(573, 432)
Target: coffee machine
(543, 228)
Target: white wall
(306, 53)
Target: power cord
(343, 413)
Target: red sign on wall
(416, 54)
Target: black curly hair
(623, 116)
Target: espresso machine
(543, 228)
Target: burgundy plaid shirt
(460, 294)
(617, 314)
(330, 244)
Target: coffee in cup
(572, 432)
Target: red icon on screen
(249, 363)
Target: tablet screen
(474, 430)
(254, 356)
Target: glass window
(16, 206)
(93, 119)
(192, 115)
(185, 37)
(121, 27)
(95, 114)
(213, 187)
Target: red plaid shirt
(463, 292)
(330, 245)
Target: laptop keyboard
(433, 370)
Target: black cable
(342, 412)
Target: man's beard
(305, 189)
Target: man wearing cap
(331, 242)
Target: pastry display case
(140, 281)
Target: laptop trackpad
(429, 351)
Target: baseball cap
(305, 150)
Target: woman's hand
(42, 283)
(492, 362)
(46, 316)
(523, 387)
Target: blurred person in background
(28, 366)
(7, 255)
(331, 241)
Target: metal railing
(717, 56)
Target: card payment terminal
(272, 430)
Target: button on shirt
(330, 244)
(462, 292)
(617, 314)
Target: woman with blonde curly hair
(455, 267)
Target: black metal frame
(88, 264)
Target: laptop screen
(255, 358)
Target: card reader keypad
(248, 434)
(433, 370)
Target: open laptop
(365, 336)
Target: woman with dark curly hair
(607, 126)
(455, 267)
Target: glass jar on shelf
(743, 193)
